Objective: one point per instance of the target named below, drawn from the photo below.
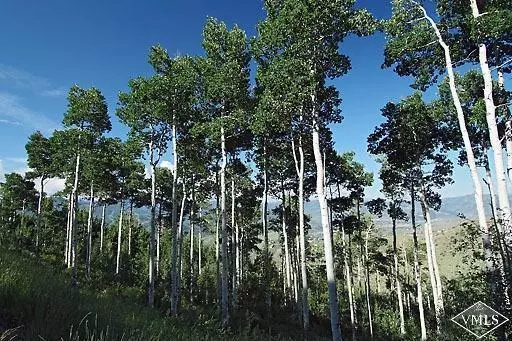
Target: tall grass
(39, 304)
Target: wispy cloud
(25, 80)
(13, 110)
(14, 123)
(58, 92)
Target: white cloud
(52, 185)
(167, 164)
(12, 109)
(25, 80)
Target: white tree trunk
(502, 259)
(119, 236)
(397, 282)
(348, 281)
(151, 267)
(130, 222)
(367, 286)
(74, 221)
(157, 236)
(299, 166)
(89, 229)
(465, 136)
(238, 250)
(39, 205)
(501, 177)
(174, 227)
(191, 251)
(417, 270)
(286, 248)
(68, 229)
(199, 246)
(102, 226)
(508, 128)
(267, 255)
(329, 258)
(407, 271)
(430, 261)
(180, 248)
(224, 245)
(234, 248)
(296, 267)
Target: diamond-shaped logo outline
(479, 303)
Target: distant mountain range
(448, 215)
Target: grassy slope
(41, 304)
(450, 262)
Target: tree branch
(502, 65)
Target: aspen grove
(261, 226)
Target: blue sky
(46, 46)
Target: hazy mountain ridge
(447, 216)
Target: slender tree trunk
(89, 229)
(348, 280)
(359, 272)
(217, 240)
(74, 221)
(224, 245)
(130, 222)
(503, 265)
(397, 282)
(158, 232)
(501, 178)
(199, 245)
(234, 294)
(238, 264)
(417, 268)
(151, 267)
(180, 249)
(266, 250)
(407, 271)
(329, 258)
(191, 232)
(285, 238)
(296, 267)
(367, 286)
(508, 127)
(430, 261)
(67, 247)
(351, 271)
(119, 236)
(299, 165)
(174, 228)
(102, 226)
(39, 206)
(22, 222)
(467, 142)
